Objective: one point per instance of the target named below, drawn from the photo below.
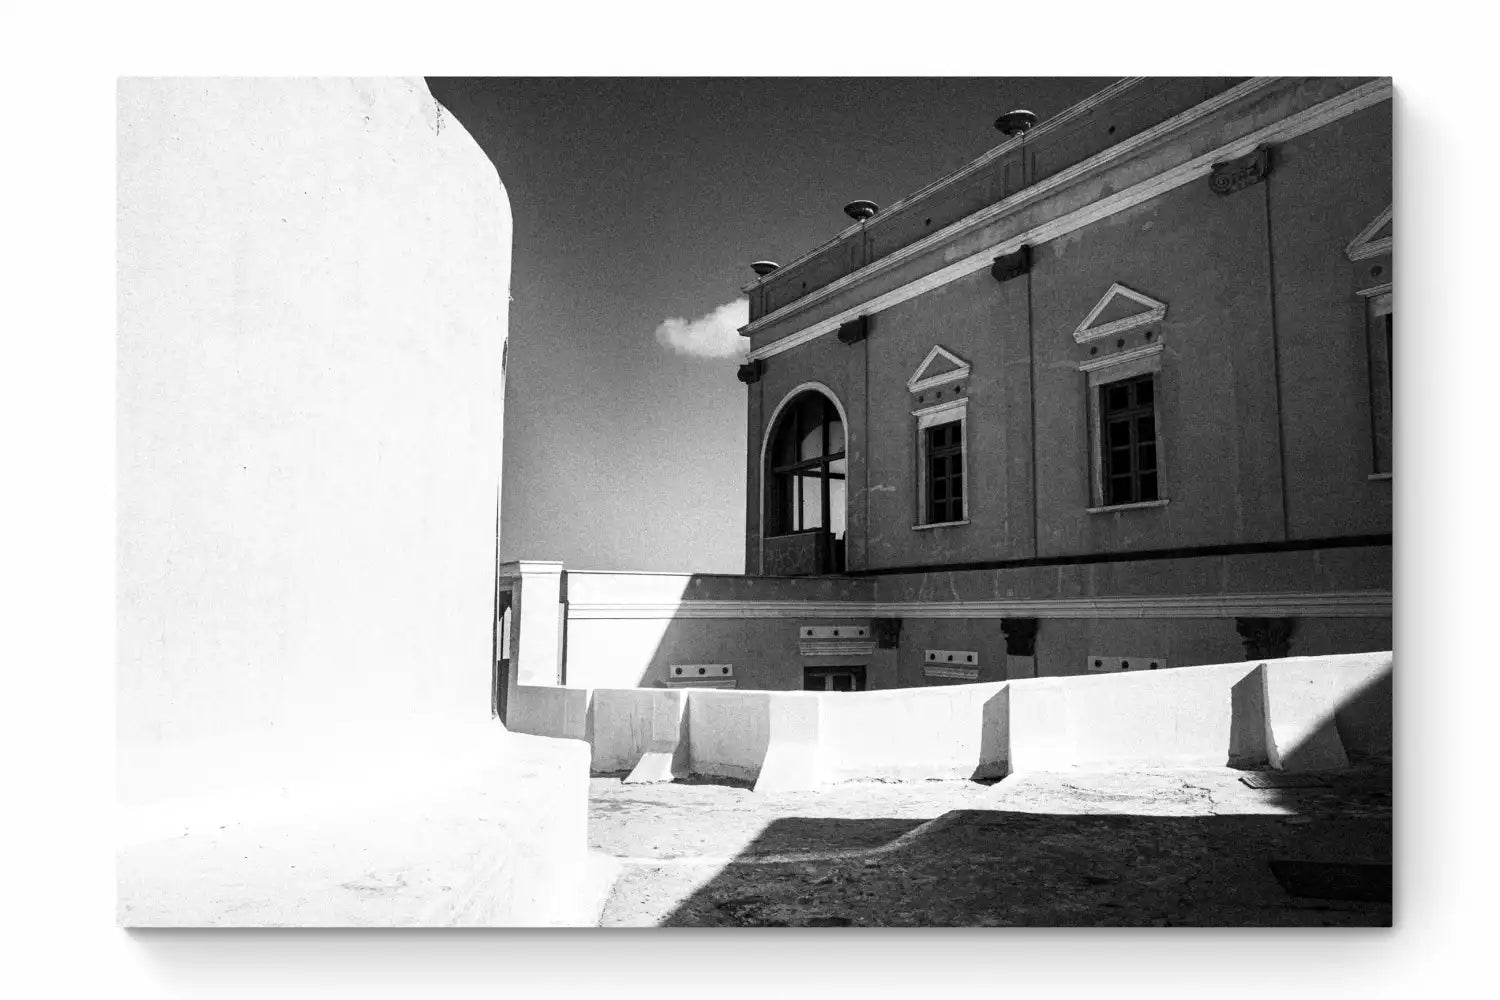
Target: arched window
(808, 471)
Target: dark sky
(643, 199)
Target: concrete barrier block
(655, 767)
(728, 732)
(1041, 732)
(666, 756)
(559, 712)
(1301, 734)
(1304, 699)
(624, 726)
(952, 732)
(793, 755)
(1184, 717)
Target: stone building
(1139, 352)
(1115, 396)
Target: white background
(56, 871)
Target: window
(1127, 411)
(809, 470)
(833, 678)
(1381, 324)
(945, 473)
(1124, 390)
(942, 463)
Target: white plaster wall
(560, 712)
(313, 287)
(1194, 716)
(953, 732)
(628, 722)
(1318, 707)
(1201, 716)
(728, 732)
(618, 652)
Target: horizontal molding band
(1332, 110)
(1024, 196)
(893, 210)
(836, 648)
(1333, 604)
(956, 673)
(1140, 555)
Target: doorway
(833, 678)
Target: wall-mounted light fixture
(855, 330)
(1012, 265)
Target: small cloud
(716, 335)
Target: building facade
(1115, 396)
(1136, 358)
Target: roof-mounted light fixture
(1017, 122)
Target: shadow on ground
(1011, 861)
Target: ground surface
(1155, 848)
(450, 825)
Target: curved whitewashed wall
(313, 288)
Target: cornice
(1121, 358)
(889, 212)
(1326, 112)
(1028, 194)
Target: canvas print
(755, 502)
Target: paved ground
(451, 825)
(1151, 848)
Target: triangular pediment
(1119, 310)
(1375, 239)
(940, 367)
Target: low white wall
(959, 731)
(1190, 716)
(628, 723)
(729, 732)
(550, 711)
(1366, 704)
(1320, 708)
(1208, 716)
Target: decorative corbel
(1020, 636)
(1266, 638)
(751, 371)
(1012, 265)
(855, 330)
(1241, 172)
(887, 633)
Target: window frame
(788, 477)
(950, 504)
(1129, 416)
(1100, 373)
(928, 417)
